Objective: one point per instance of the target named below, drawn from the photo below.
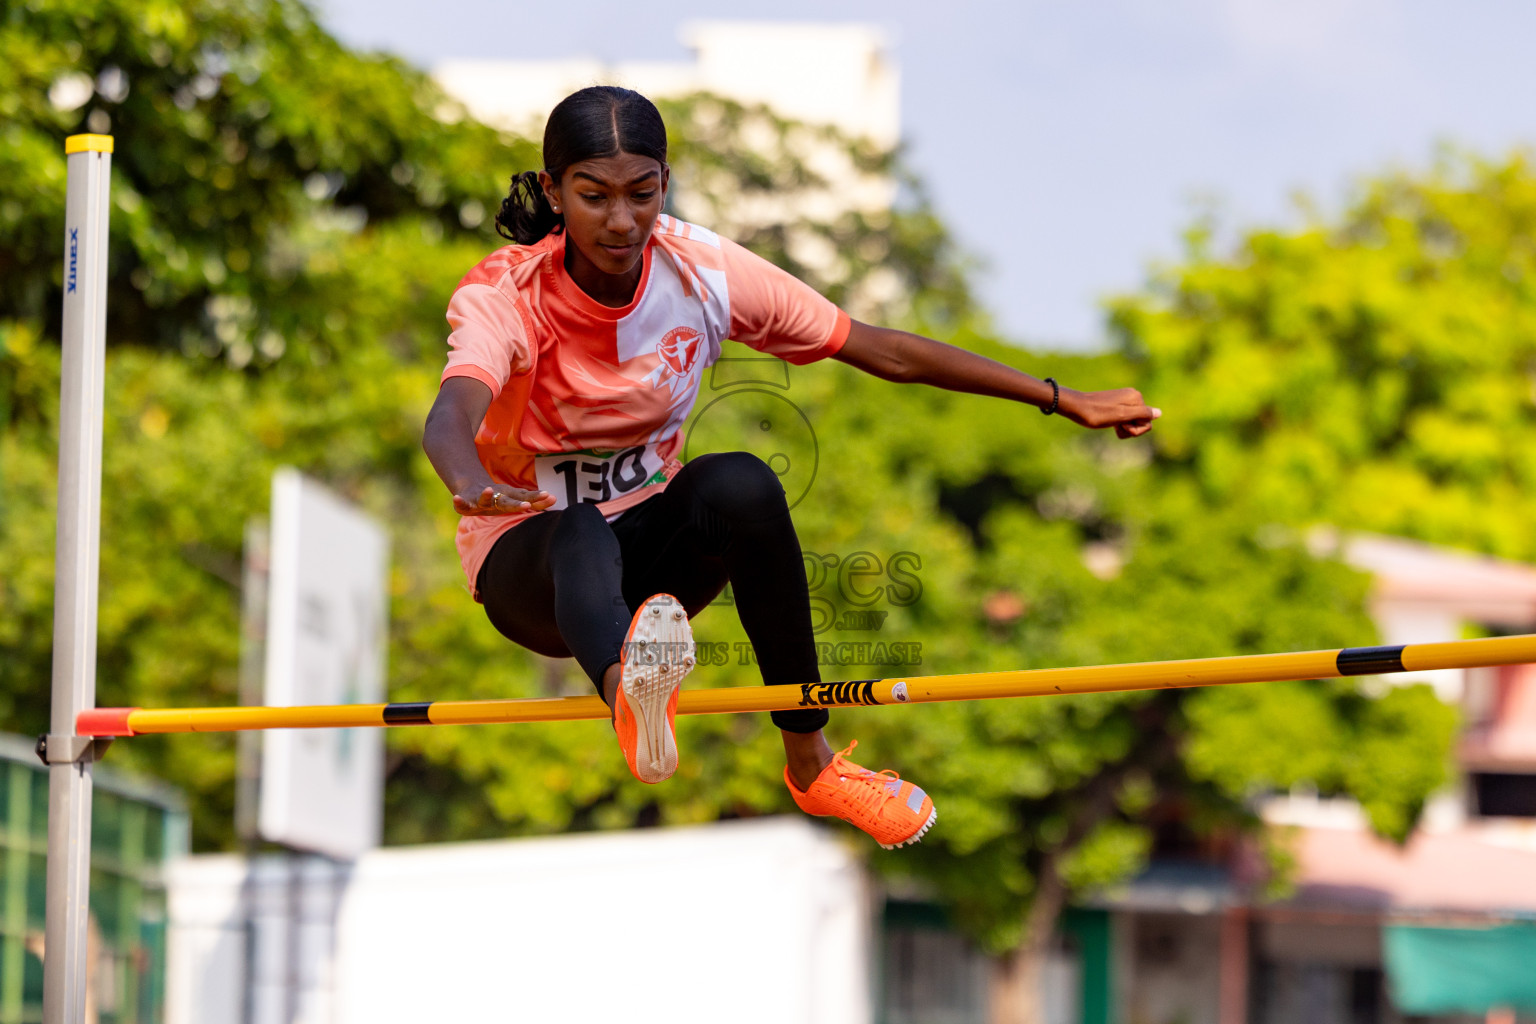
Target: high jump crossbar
(1157, 675)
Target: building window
(928, 972)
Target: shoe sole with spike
(917, 836)
(658, 653)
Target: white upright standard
(76, 559)
(322, 789)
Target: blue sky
(1067, 144)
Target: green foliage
(1399, 757)
(1388, 753)
(247, 141)
(1375, 373)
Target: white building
(755, 921)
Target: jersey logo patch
(678, 349)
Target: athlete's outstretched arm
(449, 441)
(912, 359)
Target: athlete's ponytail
(600, 121)
(525, 215)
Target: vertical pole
(253, 653)
(75, 566)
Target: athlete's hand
(1121, 408)
(500, 500)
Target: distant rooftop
(1487, 590)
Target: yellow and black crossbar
(1156, 675)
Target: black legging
(566, 582)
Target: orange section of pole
(1158, 675)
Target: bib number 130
(591, 477)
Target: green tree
(1376, 370)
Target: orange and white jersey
(589, 400)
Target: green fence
(135, 827)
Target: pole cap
(88, 144)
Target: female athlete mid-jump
(575, 357)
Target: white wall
(766, 920)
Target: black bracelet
(1055, 396)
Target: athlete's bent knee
(739, 485)
(579, 524)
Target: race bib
(593, 476)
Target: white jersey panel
(672, 328)
(663, 307)
(704, 235)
